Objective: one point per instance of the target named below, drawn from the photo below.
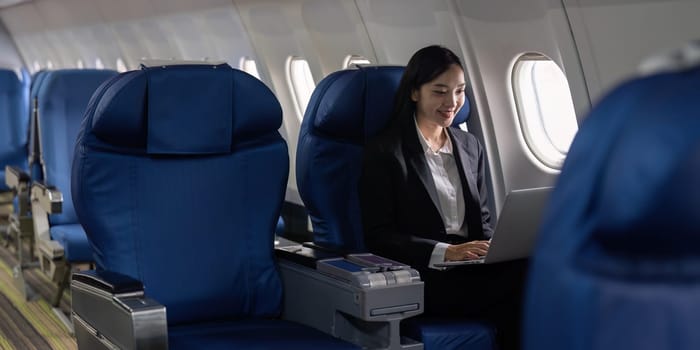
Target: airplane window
(248, 65)
(49, 64)
(36, 66)
(353, 60)
(80, 64)
(545, 108)
(121, 66)
(20, 76)
(300, 82)
(99, 64)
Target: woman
(424, 199)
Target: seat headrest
(463, 114)
(8, 81)
(64, 83)
(649, 188)
(639, 150)
(355, 104)
(184, 109)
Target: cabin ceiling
(8, 3)
(68, 31)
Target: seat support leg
(62, 284)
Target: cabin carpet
(30, 324)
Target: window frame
(121, 65)
(538, 140)
(308, 80)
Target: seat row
(44, 216)
(178, 177)
(59, 101)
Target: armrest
(110, 310)
(303, 255)
(109, 282)
(328, 249)
(351, 298)
(45, 200)
(49, 198)
(16, 179)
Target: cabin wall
(597, 43)
(614, 36)
(323, 32)
(10, 57)
(495, 34)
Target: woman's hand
(467, 251)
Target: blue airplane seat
(179, 177)
(61, 98)
(616, 265)
(347, 108)
(15, 223)
(14, 123)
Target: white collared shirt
(448, 186)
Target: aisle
(29, 325)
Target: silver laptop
(516, 229)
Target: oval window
(545, 108)
(301, 83)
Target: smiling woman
(424, 201)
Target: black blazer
(398, 200)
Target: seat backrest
(179, 177)
(618, 261)
(62, 99)
(346, 109)
(14, 122)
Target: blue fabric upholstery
(37, 80)
(194, 221)
(345, 109)
(14, 123)
(208, 134)
(618, 260)
(74, 242)
(329, 152)
(63, 97)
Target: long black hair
(425, 65)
